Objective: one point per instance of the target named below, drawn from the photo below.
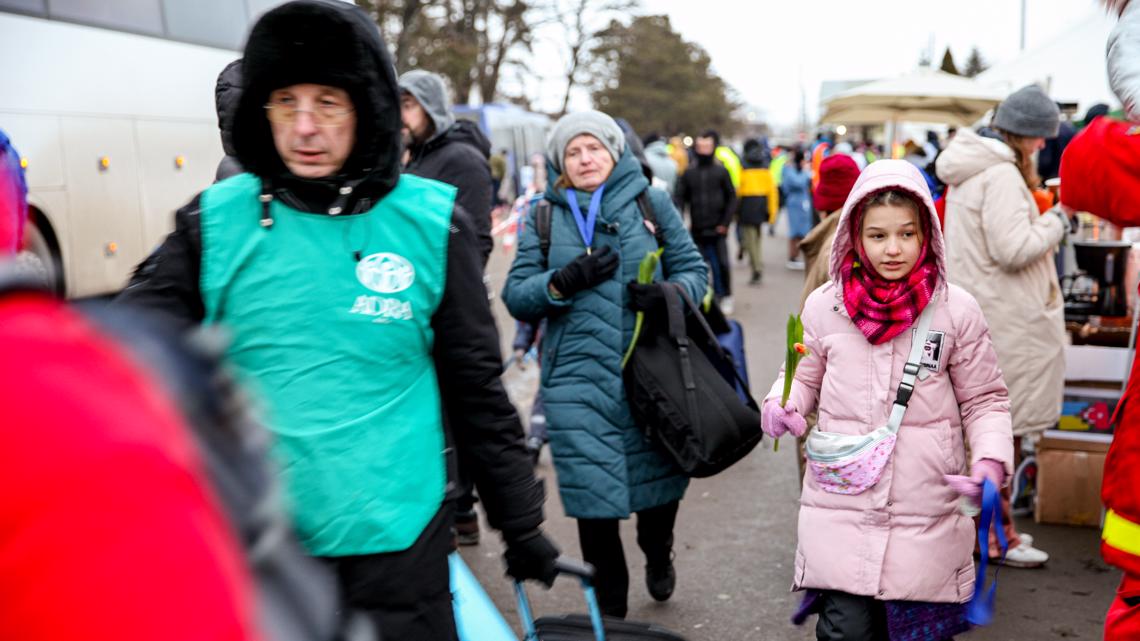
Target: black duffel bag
(681, 386)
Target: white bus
(110, 104)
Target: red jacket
(1120, 544)
(107, 529)
(1100, 171)
(1100, 174)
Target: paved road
(735, 535)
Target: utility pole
(1022, 25)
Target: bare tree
(582, 21)
(467, 41)
(399, 21)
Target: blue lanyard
(980, 610)
(586, 223)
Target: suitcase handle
(585, 573)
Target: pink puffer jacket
(905, 538)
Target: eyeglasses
(324, 115)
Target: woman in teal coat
(586, 289)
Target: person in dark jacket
(447, 150)
(458, 154)
(355, 305)
(227, 92)
(1049, 158)
(607, 469)
(706, 190)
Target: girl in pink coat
(892, 558)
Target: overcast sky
(768, 49)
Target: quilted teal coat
(606, 466)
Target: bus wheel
(39, 259)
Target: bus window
(258, 7)
(29, 7)
(218, 23)
(139, 16)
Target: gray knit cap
(595, 123)
(1029, 112)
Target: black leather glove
(585, 272)
(531, 555)
(645, 298)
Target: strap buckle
(912, 369)
(903, 398)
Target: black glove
(585, 272)
(645, 298)
(531, 555)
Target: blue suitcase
(585, 627)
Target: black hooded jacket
(460, 157)
(482, 423)
(227, 92)
(706, 188)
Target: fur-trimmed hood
(331, 43)
(878, 177)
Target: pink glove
(971, 486)
(777, 421)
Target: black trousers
(846, 617)
(715, 252)
(601, 547)
(406, 594)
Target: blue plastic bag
(476, 617)
(980, 611)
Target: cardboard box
(1070, 467)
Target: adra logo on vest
(384, 273)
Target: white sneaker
(795, 265)
(1026, 539)
(1025, 556)
(726, 305)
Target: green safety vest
(339, 351)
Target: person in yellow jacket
(759, 202)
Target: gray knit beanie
(595, 123)
(1029, 112)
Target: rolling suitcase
(585, 627)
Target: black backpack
(684, 390)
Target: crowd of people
(342, 252)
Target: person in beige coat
(1000, 249)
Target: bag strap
(980, 610)
(675, 300)
(650, 217)
(912, 368)
(543, 214)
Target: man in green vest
(357, 313)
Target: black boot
(661, 578)
(467, 528)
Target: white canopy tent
(924, 95)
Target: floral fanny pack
(853, 463)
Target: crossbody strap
(912, 368)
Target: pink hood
(881, 176)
